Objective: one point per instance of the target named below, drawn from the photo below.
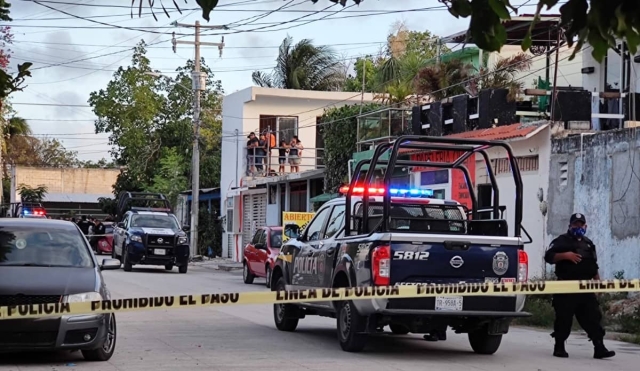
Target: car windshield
(24, 246)
(154, 221)
(276, 238)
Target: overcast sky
(59, 39)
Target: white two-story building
(251, 198)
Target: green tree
(368, 67)
(444, 80)
(340, 128)
(103, 163)
(108, 205)
(503, 75)
(149, 119)
(32, 194)
(303, 66)
(9, 83)
(598, 22)
(170, 178)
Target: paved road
(244, 338)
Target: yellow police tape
(316, 295)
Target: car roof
(274, 228)
(144, 212)
(48, 224)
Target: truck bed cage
(142, 201)
(427, 143)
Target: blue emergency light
(411, 192)
(392, 191)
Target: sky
(73, 56)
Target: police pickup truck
(148, 233)
(377, 235)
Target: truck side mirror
(185, 228)
(120, 225)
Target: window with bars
(525, 163)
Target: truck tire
(483, 343)
(268, 278)
(168, 267)
(127, 264)
(398, 329)
(350, 326)
(286, 316)
(247, 276)
(183, 268)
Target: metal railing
(272, 164)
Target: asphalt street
(245, 338)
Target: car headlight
(182, 240)
(83, 297)
(136, 238)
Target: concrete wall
(65, 180)
(600, 177)
(533, 220)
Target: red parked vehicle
(105, 244)
(260, 254)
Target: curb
(230, 267)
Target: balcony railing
(382, 125)
(272, 165)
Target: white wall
(532, 219)
(241, 111)
(569, 72)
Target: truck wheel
(246, 274)
(168, 267)
(483, 343)
(398, 329)
(127, 263)
(105, 352)
(286, 316)
(350, 326)
(268, 276)
(183, 268)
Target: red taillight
(381, 264)
(523, 266)
(360, 190)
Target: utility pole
(198, 82)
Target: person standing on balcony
(252, 143)
(261, 153)
(294, 155)
(282, 155)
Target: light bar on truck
(34, 212)
(393, 191)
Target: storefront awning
(324, 197)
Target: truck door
(305, 265)
(327, 249)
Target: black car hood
(46, 280)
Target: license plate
(160, 251)
(453, 303)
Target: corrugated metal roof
(82, 198)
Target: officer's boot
(559, 351)
(600, 351)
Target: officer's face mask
(578, 231)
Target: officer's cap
(577, 217)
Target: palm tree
(17, 126)
(444, 80)
(503, 75)
(303, 66)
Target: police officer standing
(575, 258)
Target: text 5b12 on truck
(404, 236)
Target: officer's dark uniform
(585, 307)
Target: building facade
(251, 198)
(70, 191)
